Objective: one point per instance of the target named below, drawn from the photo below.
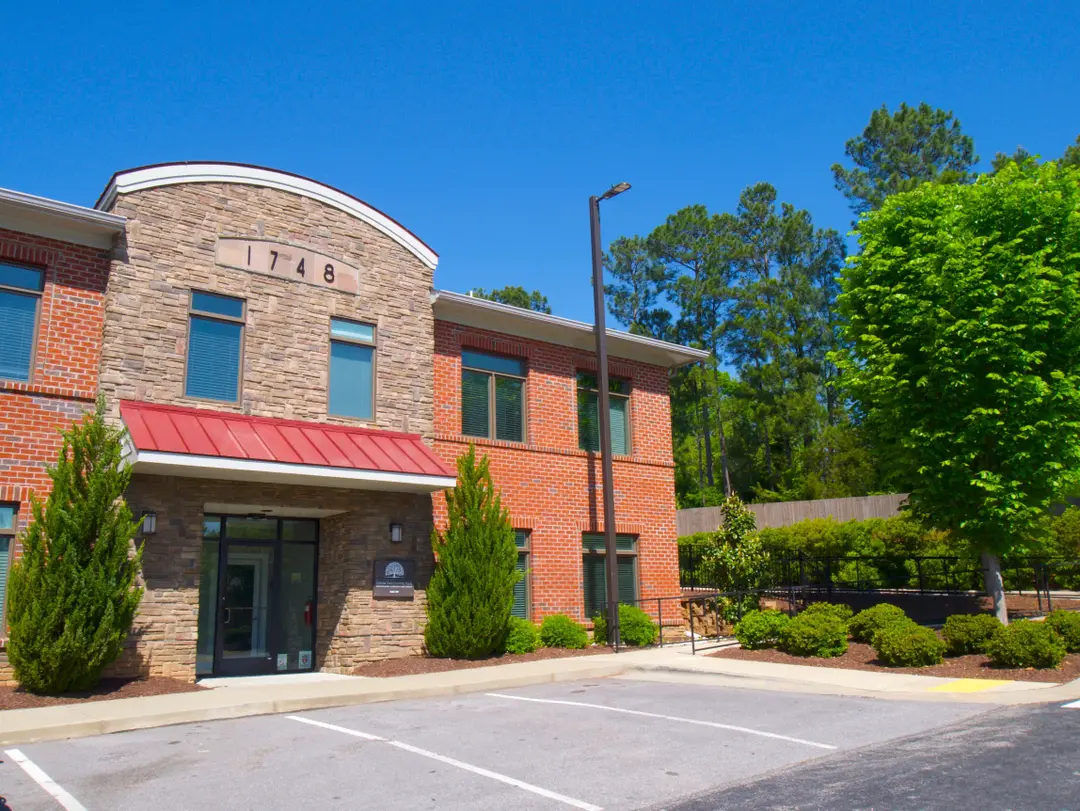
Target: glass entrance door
(257, 595)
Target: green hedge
(1026, 644)
(815, 633)
(908, 644)
(869, 621)
(636, 628)
(761, 629)
(966, 633)
(560, 631)
(524, 637)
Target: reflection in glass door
(257, 595)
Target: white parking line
(416, 750)
(1072, 705)
(46, 782)
(695, 721)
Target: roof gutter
(58, 220)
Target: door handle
(228, 615)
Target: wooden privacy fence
(784, 513)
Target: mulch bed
(412, 665)
(861, 656)
(16, 698)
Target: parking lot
(608, 744)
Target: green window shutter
(588, 421)
(521, 538)
(509, 409)
(474, 404)
(592, 568)
(627, 580)
(620, 425)
(521, 605)
(5, 554)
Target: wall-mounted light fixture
(396, 533)
(149, 523)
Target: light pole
(611, 570)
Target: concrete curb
(104, 717)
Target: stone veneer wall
(168, 250)
(352, 627)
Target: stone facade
(169, 250)
(550, 486)
(352, 627)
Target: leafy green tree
(898, 151)
(963, 312)
(471, 594)
(639, 281)
(73, 593)
(1001, 160)
(1072, 155)
(516, 296)
(735, 558)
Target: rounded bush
(635, 627)
(524, 637)
(761, 629)
(966, 633)
(559, 631)
(815, 633)
(841, 612)
(1026, 644)
(908, 644)
(868, 622)
(1067, 626)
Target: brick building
(295, 395)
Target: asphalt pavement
(604, 744)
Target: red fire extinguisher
(307, 613)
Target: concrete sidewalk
(670, 663)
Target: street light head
(618, 188)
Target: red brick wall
(550, 486)
(67, 353)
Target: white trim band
(218, 467)
(175, 173)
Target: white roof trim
(175, 173)
(555, 329)
(249, 470)
(66, 222)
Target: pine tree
(472, 591)
(73, 592)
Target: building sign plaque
(393, 578)
(287, 262)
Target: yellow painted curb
(967, 686)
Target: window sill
(22, 387)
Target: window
(593, 570)
(588, 400)
(215, 339)
(20, 298)
(521, 588)
(352, 369)
(492, 396)
(7, 549)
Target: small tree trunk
(995, 587)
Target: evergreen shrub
(73, 593)
(560, 631)
(471, 593)
(969, 633)
(523, 637)
(636, 628)
(869, 621)
(815, 633)
(908, 644)
(841, 612)
(1026, 644)
(761, 629)
(1067, 626)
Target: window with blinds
(593, 571)
(521, 588)
(352, 369)
(20, 299)
(588, 402)
(7, 543)
(492, 396)
(215, 341)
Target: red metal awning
(184, 441)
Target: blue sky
(485, 127)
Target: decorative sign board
(287, 262)
(393, 578)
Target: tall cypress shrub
(472, 591)
(73, 592)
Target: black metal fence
(924, 574)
